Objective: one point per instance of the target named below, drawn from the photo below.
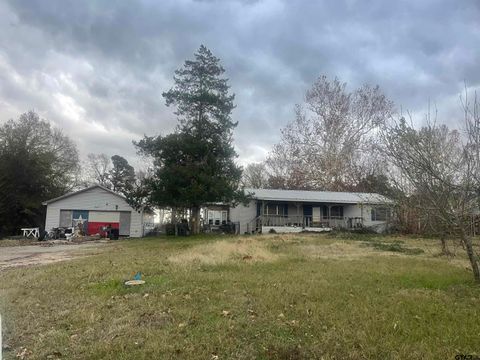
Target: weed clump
(396, 246)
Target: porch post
(361, 212)
(329, 207)
(298, 212)
(262, 215)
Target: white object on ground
(317, 229)
(132, 283)
(27, 232)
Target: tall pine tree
(122, 175)
(195, 165)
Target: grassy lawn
(258, 297)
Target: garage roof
(318, 196)
(81, 191)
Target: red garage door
(100, 219)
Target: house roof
(318, 196)
(81, 191)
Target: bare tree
(471, 178)
(97, 169)
(438, 167)
(331, 143)
(471, 108)
(255, 176)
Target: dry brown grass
(262, 249)
(432, 250)
(248, 250)
(337, 250)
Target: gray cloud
(98, 68)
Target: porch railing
(256, 224)
(281, 220)
(308, 221)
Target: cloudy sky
(98, 68)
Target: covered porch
(301, 216)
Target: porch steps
(255, 225)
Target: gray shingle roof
(81, 191)
(318, 196)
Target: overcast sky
(98, 68)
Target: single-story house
(295, 211)
(96, 207)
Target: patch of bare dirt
(40, 254)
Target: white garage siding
(93, 199)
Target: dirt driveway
(37, 254)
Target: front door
(307, 214)
(316, 216)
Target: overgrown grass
(395, 246)
(256, 297)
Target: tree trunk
(195, 220)
(467, 241)
(444, 245)
(174, 220)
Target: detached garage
(93, 208)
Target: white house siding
(378, 226)
(243, 214)
(95, 199)
(352, 211)
(364, 211)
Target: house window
(217, 217)
(380, 214)
(336, 212)
(325, 212)
(274, 209)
